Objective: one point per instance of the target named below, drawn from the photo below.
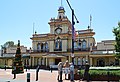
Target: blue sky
(17, 17)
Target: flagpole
(90, 20)
(33, 27)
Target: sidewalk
(44, 76)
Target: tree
(116, 31)
(7, 44)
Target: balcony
(57, 49)
(78, 49)
(43, 50)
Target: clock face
(58, 30)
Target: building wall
(64, 45)
(13, 49)
(106, 45)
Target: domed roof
(61, 8)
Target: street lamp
(73, 23)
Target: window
(58, 44)
(84, 44)
(79, 44)
(75, 44)
(38, 47)
(42, 47)
(79, 61)
(46, 46)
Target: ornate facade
(51, 48)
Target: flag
(90, 18)
(75, 34)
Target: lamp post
(73, 23)
(73, 37)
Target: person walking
(66, 67)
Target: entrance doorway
(57, 60)
(100, 62)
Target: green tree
(7, 44)
(116, 31)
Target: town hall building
(51, 48)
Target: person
(66, 67)
(26, 67)
(71, 72)
(14, 73)
(86, 72)
(51, 68)
(59, 69)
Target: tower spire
(61, 3)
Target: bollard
(60, 75)
(51, 69)
(5, 67)
(72, 72)
(26, 68)
(28, 77)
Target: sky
(17, 18)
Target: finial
(18, 43)
(61, 3)
(35, 32)
(88, 27)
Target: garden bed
(99, 75)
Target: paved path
(44, 76)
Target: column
(87, 57)
(46, 62)
(43, 61)
(35, 61)
(26, 62)
(91, 62)
(69, 59)
(39, 61)
(32, 61)
(76, 60)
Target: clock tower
(61, 24)
(60, 30)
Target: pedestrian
(86, 72)
(51, 69)
(26, 67)
(66, 67)
(5, 67)
(14, 73)
(60, 65)
(71, 72)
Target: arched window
(75, 44)
(42, 47)
(84, 44)
(79, 61)
(79, 44)
(58, 44)
(46, 46)
(38, 47)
